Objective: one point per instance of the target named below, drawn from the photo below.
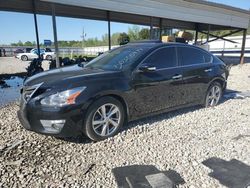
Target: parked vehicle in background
(27, 50)
(18, 51)
(33, 54)
(48, 54)
(124, 84)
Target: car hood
(65, 74)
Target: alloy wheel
(106, 119)
(213, 96)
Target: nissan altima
(124, 84)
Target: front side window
(192, 56)
(162, 58)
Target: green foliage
(134, 33)
(144, 34)
(123, 39)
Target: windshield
(118, 59)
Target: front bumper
(32, 117)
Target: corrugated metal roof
(219, 5)
(196, 11)
(182, 14)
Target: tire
(98, 127)
(24, 58)
(48, 57)
(213, 95)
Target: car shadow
(232, 174)
(230, 94)
(141, 176)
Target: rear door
(197, 70)
(158, 88)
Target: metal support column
(36, 29)
(55, 35)
(160, 29)
(208, 33)
(196, 34)
(109, 31)
(151, 28)
(243, 47)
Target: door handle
(208, 70)
(151, 68)
(177, 77)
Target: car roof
(153, 44)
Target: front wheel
(213, 95)
(48, 57)
(104, 118)
(24, 58)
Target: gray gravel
(12, 65)
(179, 141)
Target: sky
(20, 26)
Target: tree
(144, 34)
(114, 38)
(28, 43)
(133, 33)
(123, 39)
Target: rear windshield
(118, 59)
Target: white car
(33, 54)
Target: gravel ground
(11, 65)
(178, 141)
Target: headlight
(63, 98)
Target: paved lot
(193, 147)
(11, 65)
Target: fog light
(52, 126)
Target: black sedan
(126, 83)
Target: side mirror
(147, 69)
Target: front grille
(29, 91)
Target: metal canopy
(181, 14)
(195, 11)
(196, 15)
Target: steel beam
(109, 30)
(36, 28)
(160, 32)
(196, 33)
(243, 46)
(222, 37)
(208, 33)
(151, 28)
(55, 35)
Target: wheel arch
(115, 95)
(220, 80)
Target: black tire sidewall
(48, 57)
(209, 88)
(87, 127)
(24, 58)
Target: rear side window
(191, 56)
(207, 57)
(162, 58)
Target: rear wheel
(24, 58)
(104, 118)
(48, 57)
(213, 95)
